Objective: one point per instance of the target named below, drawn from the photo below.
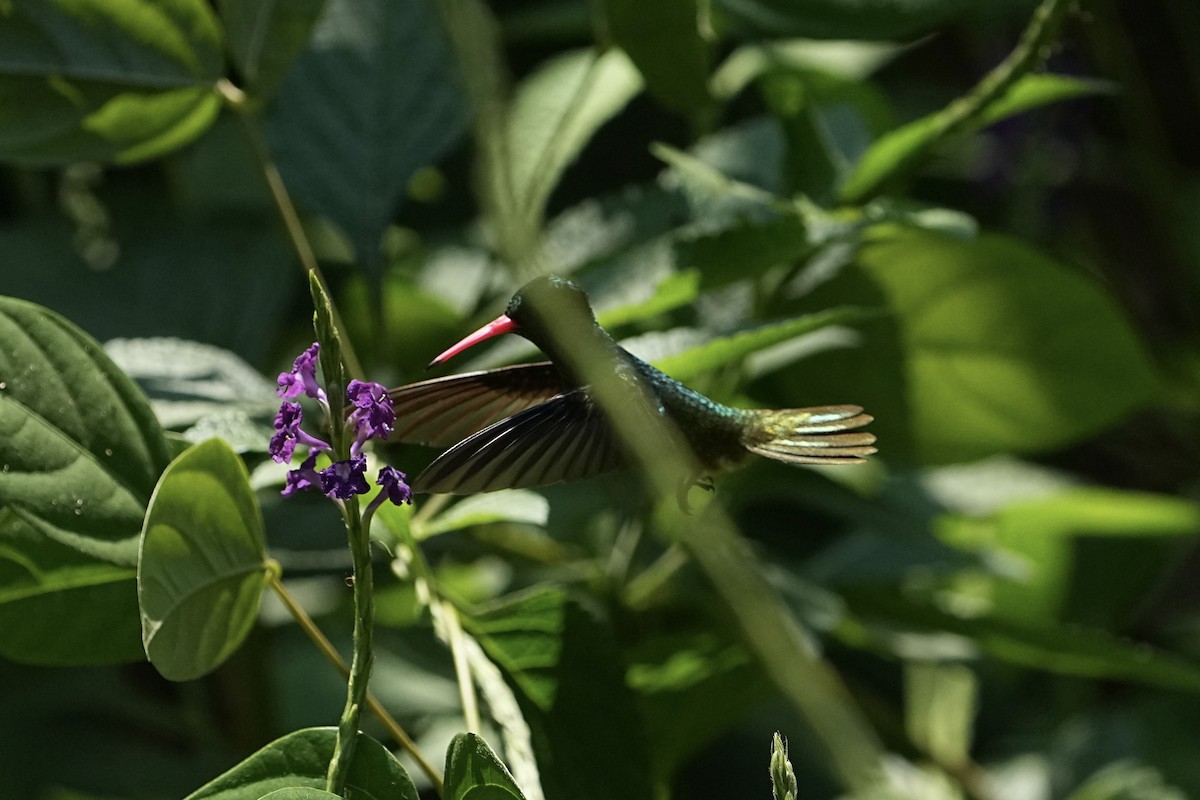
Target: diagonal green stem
(1028, 54)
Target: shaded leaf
(666, 41)
(566, 670)
(301, 759)
(898, 147)
(265, 36)
(373, 98)
(841, 19)
(202, 566)
(1005, 350)
(89, 604)
(80, 450)
(474, 773)
(106, 80)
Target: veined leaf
(474, 773)
(105, 80)
(265, 36)
(202, 565)
(511, 505)
(80, 450)
(301, 760)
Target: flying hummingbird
(536, 424)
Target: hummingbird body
(537, 424)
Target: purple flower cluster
(371, 416)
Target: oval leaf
(1005, 350)
(265, 36)
(106, 80)
(80, 450)
(203, 565)
(511, 505)
(300, 760)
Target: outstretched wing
(443, 411)
(563, 439)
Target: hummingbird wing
(565, 438)
(443, 411)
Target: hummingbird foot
(705, 482)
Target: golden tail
(820, 435)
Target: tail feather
(821, 435)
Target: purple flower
(303, 377)
(303, 478)
(395, 485)
(288, 433)
(344, 479)
(372, 413)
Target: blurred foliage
(978, 221)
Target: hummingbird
(537, 424)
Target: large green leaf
(372, 99)
(203, 565)
(105, 80)
(899, 147)
(80, 450)
(842, 19)
(301, 760)
(474, 773)
(553, 115)
(667, 42)
(265, 36)
(89, 604)
(1005, 350)
(567, 674)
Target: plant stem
(236, 99)
(364, 655)
(326, 647)
(1028, 54)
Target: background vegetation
(979, 221)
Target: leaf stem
(1027, 55)
(236, 99)
(331, 654)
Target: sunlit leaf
(735, 347)
(474, 773)
(301, 760)
(80, 450)
(106, 80)
(510, 505)
(202, 566)
(1005, 350)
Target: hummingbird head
(549, 296)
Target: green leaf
(265, 36)
(301, 760)
(745, 249)
(554, 114)
(299, 793)
(939, 709)
(105, 80)
(566, 671)
(474, 773)
(735, 347)
(511, 505)
(203, 565)
(89, 604)
(898, 147)
(80, 450)
(386, 68)
(667, 42)
(1005, 350)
